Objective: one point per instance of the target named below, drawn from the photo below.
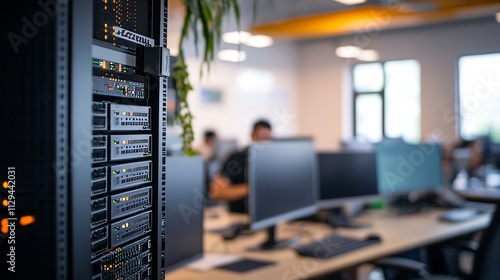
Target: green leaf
(209, 14)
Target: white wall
(324, 93)
(263, 86)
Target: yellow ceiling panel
(373, 18)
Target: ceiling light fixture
(368, 55)
(258, 41)
(350, 2)
(347, 51)
(243, 37)
(232, 55)
(236, 37)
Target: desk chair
(485, 266)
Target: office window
(387, 100)
(479, 96)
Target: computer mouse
(373, 237)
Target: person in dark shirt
(231, 183)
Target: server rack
(80, 217)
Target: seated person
(206, 149)
(463, 156)
(231, 183)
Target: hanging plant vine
(204, 19)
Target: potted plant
(202, 20)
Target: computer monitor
(345, 177)
(282, 178)
(184, 211)
(404, 168)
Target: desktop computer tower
(84, 152)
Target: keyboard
(459, 215)
(334, 245)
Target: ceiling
(307, 19)
(278, 10)
(303, 19)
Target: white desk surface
(398, 234)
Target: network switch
(130, 202)
(130, 228)
(130, 174)
(111, 67)
(110, 265)
(117, 87)
(130, 146)
(129, 117)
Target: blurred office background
(408, 78)
(427, 79)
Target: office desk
(399, 233)
(481, 194)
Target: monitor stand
(337, 218)
(272, 243)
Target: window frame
(355, 94)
